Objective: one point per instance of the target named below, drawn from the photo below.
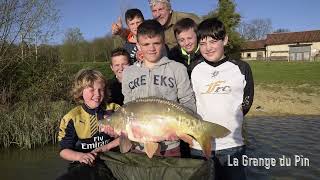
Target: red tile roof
(252, 45)
(293, 37)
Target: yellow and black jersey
(79, 128)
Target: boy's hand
(172, 137)
(139, 56)
(116, 27)
(108, 130)
(88, 158)
(103, 148)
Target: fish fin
(150, 148)
(186, 138)
(205, 143)
(211, 131)
(125, 144)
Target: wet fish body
(151, 120)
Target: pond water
(296, 138)
(267, 138)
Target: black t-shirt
(176, 55)
(115, 91)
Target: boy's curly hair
(85, 78)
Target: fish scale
(151, 120)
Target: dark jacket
(115, 89)
(178, 55)
(132, 49)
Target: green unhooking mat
(131, 166)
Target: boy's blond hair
(85, 78)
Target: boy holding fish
(78, 136)
(158, 76)
(224, 92)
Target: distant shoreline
(284, 101)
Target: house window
(248, 55)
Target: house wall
(254, 55)
(281, 52)
(315, 51)
(278, 52)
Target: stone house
(290, 46)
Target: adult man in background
(163, 13)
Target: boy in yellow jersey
(79, 136)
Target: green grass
(299, 76)
(296, 76)
(288, 73)
(269, 72)
(275, 72)
(31, 125)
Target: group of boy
(197, 74)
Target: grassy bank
(283, 88)
(286, 73)
(32, 124)
(40, 99)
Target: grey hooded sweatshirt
(168, 79)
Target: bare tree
(72, 48)
(256, 29)
(73, 36)
(24, 23)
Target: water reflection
(275, 137)
(266, 137)
(42, 163)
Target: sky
(94, 17)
